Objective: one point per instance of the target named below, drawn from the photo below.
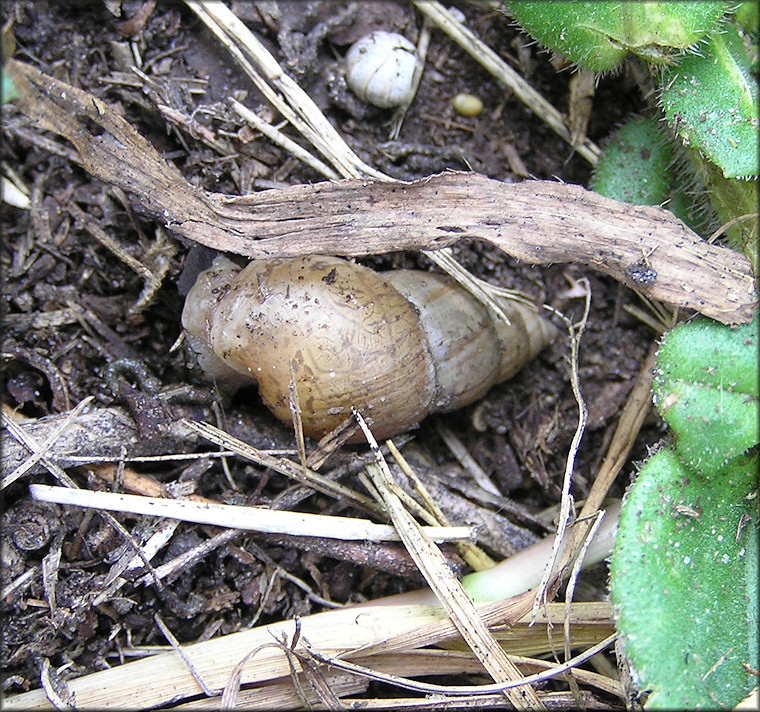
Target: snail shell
(380, 69)
(396, 345)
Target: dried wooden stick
(539, 222)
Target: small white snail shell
(380, 69)
(397, 345)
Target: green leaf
(731, 198)
(706, 389)
(633, 166)
(747, 16)
(683, 577)
(711, 101)
(598, 35)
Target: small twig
(269, 561)
(631, 419)
(152, 281)
(19, 584)
(186, 558)
(566, 503)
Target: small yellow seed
(467, 105)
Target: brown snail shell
(396, 345)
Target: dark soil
(51, 263)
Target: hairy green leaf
(711, 101)
(598, 35)
(634, 164)
(706, 389)
(684, 580)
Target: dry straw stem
(163, 678)
(281, 91)
(444, 584)
(259, 519)
(286, 467)
(282, 140)
(539, 222)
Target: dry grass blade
(481, 290)
(335, 633)
(178, 649)
(636, 408)
(46, 446)
(136, 684)
(445, 585)
(552, 671)
(280, 695)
